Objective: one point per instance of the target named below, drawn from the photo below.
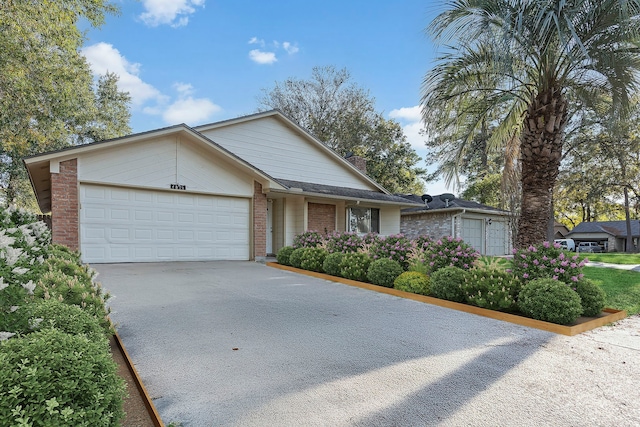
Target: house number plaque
(178, 187)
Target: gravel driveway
(243, 344)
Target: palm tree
(527, 57)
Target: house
(234, 190)
(560, 230)
(485, 228)
(611, 235)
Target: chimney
(359, 162)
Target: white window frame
(367, 220)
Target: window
(363, 220)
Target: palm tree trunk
(540, 153)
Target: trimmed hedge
(413, 281)
(550, 300)
(383, 272)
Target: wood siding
(282, 153)
(162, 162)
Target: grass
(614, 258)
(621, 286)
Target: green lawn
(614, 258)
(621, 286)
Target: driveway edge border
(583, 324)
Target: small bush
(50, 378)
(312, 259)
(449, 252)
(295, 259)
(383, 272)
(492, 289)
(550, 300)
(354, 266)
(396, 247)
(71, 319)
(592, 297)
(547, 260)
(331, 264)
(344, 242)
(75, 290)
(308, 239)
(447, 283)
(283, 255)
(413, 281)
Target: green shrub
(383, 272)
(447, 283)
(491, 288)
(63, 252)
(332, 263)
(71, 319)
(284, 254)
(313, 258)
(354, 266)
(550, 300)
(295, 259)
(592, 297)
(413, 281)
(50, 378)
(75, 291)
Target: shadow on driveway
(309, 351)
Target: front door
(269, 226)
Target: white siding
(293, 218)
(161, 162)
(389, 220)
(280, 152)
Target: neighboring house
(560, 230)
(481, 226)
(611, 235)
(234, 190)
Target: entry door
(269, 226)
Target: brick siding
(435, 225)
(64, 205)
(321, 217)
(259, 222)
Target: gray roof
(614, 228)
(354, 193)
(437, 204)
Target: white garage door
(497, 238)
(472, 233)
(133, 225)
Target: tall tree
(46, 86)
(526, 56)
(342, 115)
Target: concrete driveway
(243, 344)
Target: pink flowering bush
(449, 252)
(308, 239)
(344, 242)
(396, 247)
(547, 260)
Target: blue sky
(201, 61)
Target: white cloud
(413, 114)
(170, 12)
(255, 40)
(103, 58)
(411, 120)
(260, 57)
(190, 110)
(291, 49)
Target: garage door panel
(134, 225)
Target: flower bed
(55, 361)
(545, 283)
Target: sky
(202, 61)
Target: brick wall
(259, 222)
(64, 205)
(434, 225)
(359, 162)
(321, 217)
